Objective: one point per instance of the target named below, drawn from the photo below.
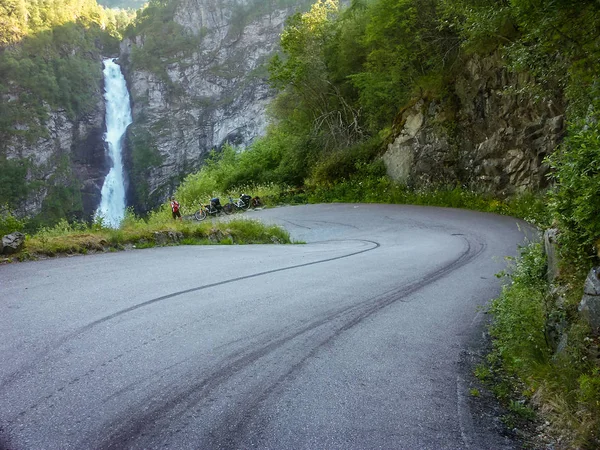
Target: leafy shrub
(267, 163)
(589, 394)
(519, 314)
(8, 222)
(575, 202)
(342, 164)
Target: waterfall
(118, 117)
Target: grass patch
(369, 189)
(529, 372)
(483, 373)
(67, 238)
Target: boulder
(160, 238)
(556, 324)
(12, 243)
(589, 307)
(215, 236)
(592, 282)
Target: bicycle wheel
(200, 214)
(244, 205)
(228, 208)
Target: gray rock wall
(487, 135)
(71, 153)
(220, 96)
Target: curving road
(352, 341)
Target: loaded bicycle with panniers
(214, 207)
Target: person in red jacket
(175, 208)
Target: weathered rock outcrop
(590, 303)
(216, 94)
(551, 249)
(486, 136)
(12, 243)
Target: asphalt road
(351, 341)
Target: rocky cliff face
(216, 94)
(63, 171)
(484, 136)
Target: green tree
(406, 49)
(310, 97)
(13, 21)
(13, 181)
(50, 53)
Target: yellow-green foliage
(50, 50)
(82, 238)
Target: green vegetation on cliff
(13, 182)
(144, 156)
(165, 41)
(50, 56)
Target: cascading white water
(118, 117)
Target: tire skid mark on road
(223, 438)
(318, 222)
(10, 379)
(161, 373)
(347, 225)
(100, 366)
(201, 390)
(296, 224)
(187, 403)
